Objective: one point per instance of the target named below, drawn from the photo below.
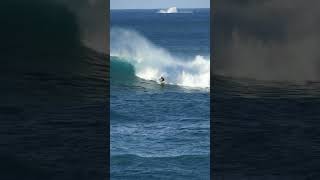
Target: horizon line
(157, 8)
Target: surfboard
(162, 83)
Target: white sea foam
(169, 10)
(151, 61)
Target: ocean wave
(150, 62)
(267, 42)
(182, 157)
(121, 70)
(174, 10)
(169, 10)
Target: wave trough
(150, 61)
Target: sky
(157, 4)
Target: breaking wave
(151, 62)
(169, 10)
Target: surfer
(161, 80)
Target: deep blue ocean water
(160, 132)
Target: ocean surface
(53, 96)
(160, 132)
(265, 130)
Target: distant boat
(169, 10)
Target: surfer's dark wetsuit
(161, 79)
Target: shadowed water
(53, 95)
(265, 130)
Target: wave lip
(150, 62)
(169, 10)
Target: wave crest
(151, 62)
(169, 10)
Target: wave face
(150, 61)
(169, 10)
(91, 15)
(53, 88)
(121, 70)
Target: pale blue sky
(156, 4)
